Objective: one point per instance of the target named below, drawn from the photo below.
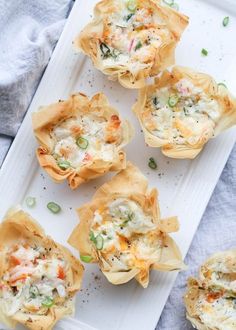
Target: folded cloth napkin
(215, 233)
(29, 32)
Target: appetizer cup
(38, 277)
(210, 300)
(80, 139)
(182, 110)
(131, 40)
(121, 230)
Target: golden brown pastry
(211, 300)
(182, 110)
(38, 277)
(131, 40)
(122, 231)
(80, 139)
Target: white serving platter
(184, 186)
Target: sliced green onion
(128, 17)
(99, 241)
(86, 258)
(152, 163)
(48, 302)
(131, 5)
(138, 46)
(63, 164)
(222, 84)
(34, 291)
(106, 52)
(173, 100)
(175, 6)
(30, 201)
(225, 21)
(82, 143)
(54, 207)
(92, 236)
(168, 2)
(204, 52)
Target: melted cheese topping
(191, 118)
(217, 313)
(219, 273)
(131, 38)
(125, 235)
(83, 139)
(33, 282)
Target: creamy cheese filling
(33, 282)
(131, 36)
(125, 234)
(217, 314)
(81, 140)
(181, 114)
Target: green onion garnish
(63, 164)
(99, 241)
(92, 236)
(48, 302)
(173, 100)
(131, 5)
(128, 17)
(54, 207)
(225, 21)
(34, 291)
(139, 45)
(86, 258)
(106, 52)
(152, 163)
(30, 201)
(82, 143)
(204, 52)
(222, 84)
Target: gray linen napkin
(29, 30)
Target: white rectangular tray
(185, 186)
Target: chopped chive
(131, 5)
(30, 201)
(152, 163)
(204, 52)
(92, 236)
(82, 143)
(99, 241)
(139, 45)
(54, 207)
(225, 21)
(222, 84)
(173, 100)
(106, 52)
(34, 291)
(48, 302)
(86, 258)
(128, 17)
(63, 164)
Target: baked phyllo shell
(109, 231)
(18, 234)
(219, 273)
(182, 110)
(80, 139)
(210, 300)
(209, 310)
(132, 40)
